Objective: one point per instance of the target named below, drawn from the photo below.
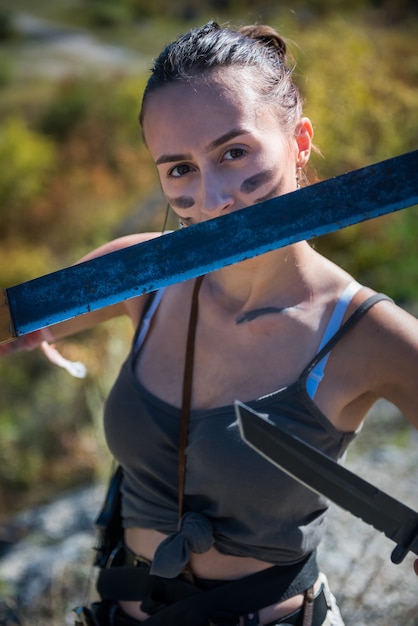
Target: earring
(298, 172)
(181, 225)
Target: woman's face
(218, 150)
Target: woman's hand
(26, 342)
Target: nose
(216, 196)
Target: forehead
(201, 108)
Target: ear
(303, 135)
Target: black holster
(109, 521)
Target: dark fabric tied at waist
(194, 534)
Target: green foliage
(6, 26)
(362, 108)
(26, 158)
(107, 13)
(381, 254)
(38, 430)
(26, 259)
(88, 107)
(6, 71)
(65, 110)
(105, 168)
(110, 14)
(49, 430)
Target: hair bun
(268, 35)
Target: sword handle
(7, 328)
(408, 543)
(398, 554)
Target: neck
(282, 274)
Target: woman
(223, 122)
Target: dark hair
(259, 49)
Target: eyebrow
(231, 134)
(171, 158)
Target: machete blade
(322, 474)
(309, 212)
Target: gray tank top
(234, 499)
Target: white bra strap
(146, 321)
(317, 374)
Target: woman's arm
(396, 358)
(88, 320)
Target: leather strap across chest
(187, 393)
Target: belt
(320, 610)
(126, 577)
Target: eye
(234, 153)
(180, 170)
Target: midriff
(211, 565)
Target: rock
(369, 588)
(56, 546)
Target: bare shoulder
(119, 244)
(134, 306)
(388, 343)
(393, 322)
(378, 358)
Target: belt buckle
(121, 555)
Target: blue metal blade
(322, 208)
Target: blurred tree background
(74, 174)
